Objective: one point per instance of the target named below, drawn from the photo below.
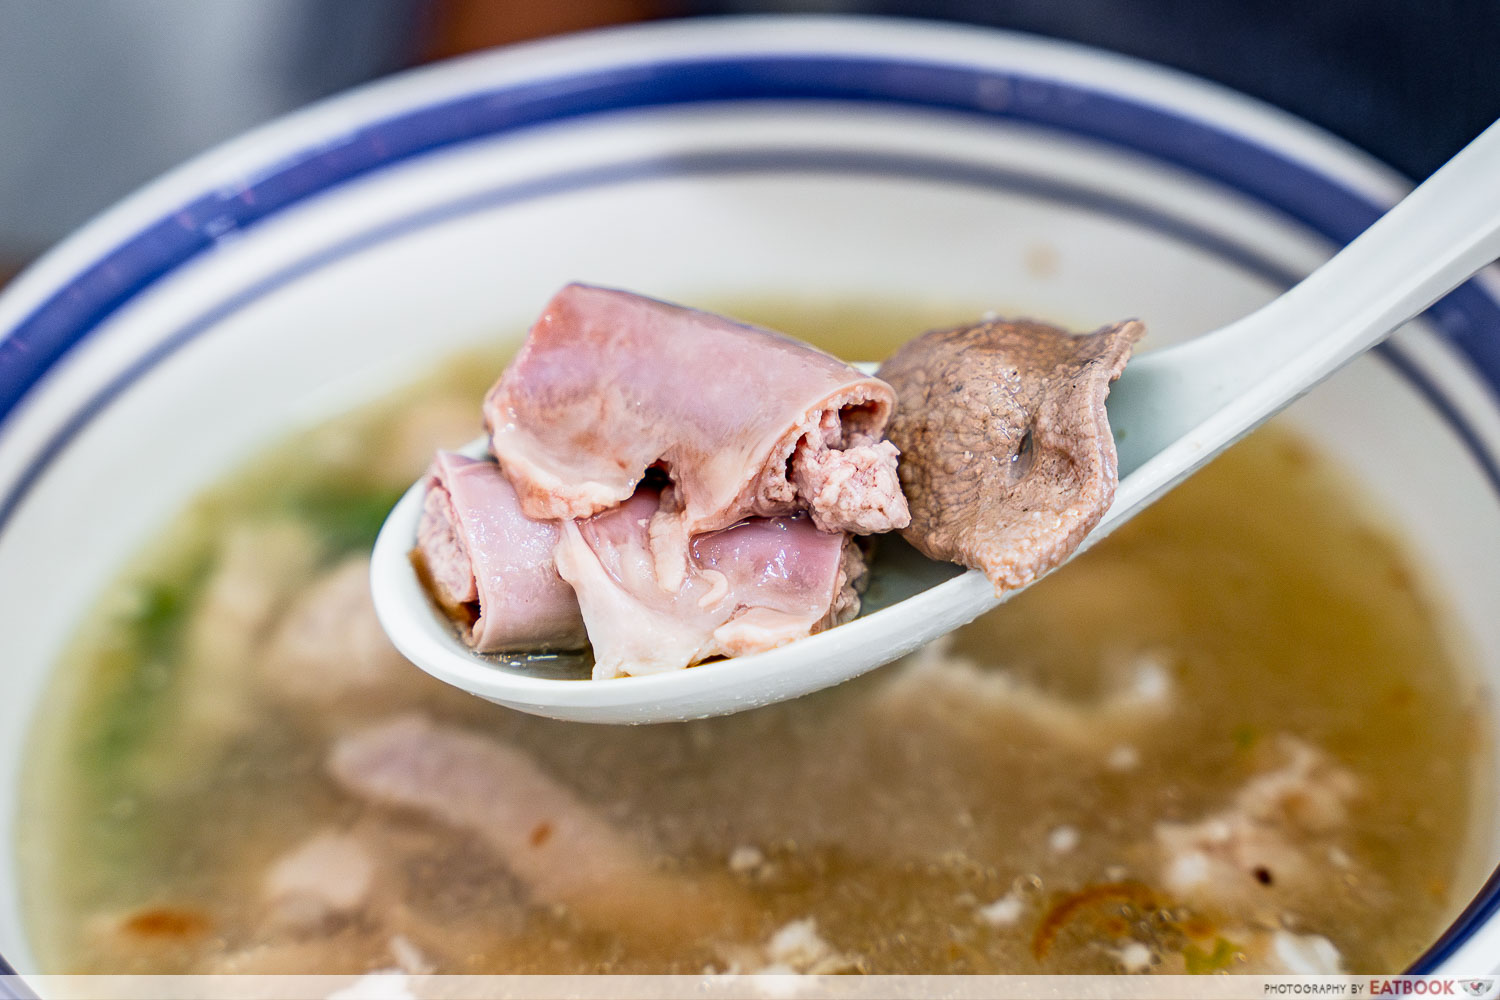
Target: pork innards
(673, 486)
(1009, 460)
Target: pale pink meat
(745, 422)
(328, 874)
(514, 583)
(565, 852)
(1271, 843)
(851, 489)
(747, 588)
(328, 653)
(490, 566)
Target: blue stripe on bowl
(1325, 206)
(1468, 317)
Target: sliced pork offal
(488, 565)
(563, 851)
(771, 454)
(745, 422)
(515, 583)
(1009, 460)
(745, 589)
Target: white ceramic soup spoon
(1172, 411)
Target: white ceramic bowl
(319, 261)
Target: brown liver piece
(1007, 459)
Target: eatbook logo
(1477, 987)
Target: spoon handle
(1175, 409)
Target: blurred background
(99, 96)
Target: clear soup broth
(1233, 736)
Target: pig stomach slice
(746, 422)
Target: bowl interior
(343, 295)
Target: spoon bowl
(1171, 412)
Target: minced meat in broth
(1230, 737)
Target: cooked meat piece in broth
(561, 849)
(1008, 461)
(744, 421)
(488, 565)
(1275, 838)
(327, 653)
(745, 589)
(514, 583)
(327, 874)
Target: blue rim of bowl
(1468, 318)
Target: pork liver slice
(1008, 460)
